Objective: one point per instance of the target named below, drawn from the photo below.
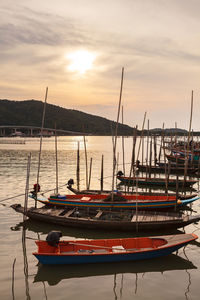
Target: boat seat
(100, 251)
(85, 199)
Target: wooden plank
(69, 213)
(133, 218)
(46, 211)
(56, 212)
(98, 215)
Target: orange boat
(109, 250)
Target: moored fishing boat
(153, 181)
(181, 160)
(137, 201)
(114, 220)
(179, 169)
(109, 250)
(128, 192)
(163, 168)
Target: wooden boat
(117, 202)
(153, 181)
(112, 220)
(162, 168)
(180, 169)
(110, 250)
(181, 160)
(124, 193)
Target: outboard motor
(53, 238)
(120, 173)
(70, 182)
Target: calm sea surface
(174, 277)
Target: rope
(19, 195)
(12, 197)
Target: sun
(81, 61)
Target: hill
(29, 113)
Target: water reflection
(54, 274)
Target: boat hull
(130, 255)
(142, 205)
(155, 182)
(141, 223)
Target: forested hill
(29, 113)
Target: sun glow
(81, 61)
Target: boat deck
(132, 216)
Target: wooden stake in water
(141, 136)
(41, 135)
(56, 154)
(150, 158)
(116, 131)
(86, 164)
(102, 171)
(24, 229)
(188, 142)
(161, 144)
(78, 168)
(147, 153)
(27, 188)
(133, 152)
(123, 154)
(142, 150)
(90, 173)
(155, 150)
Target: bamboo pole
(123, 154)
(141, 135)
(78, 167)
(191, 112)
(175, 133)
(162, 144)
(90, 172)
(133, 152)
(150, 158)
(40, 151)
(132, 171)
(142, 150)
(117, 164)
(102, 171)
(177, 185)
(56, 155)
(188, 142)
(24, 229)
(116, 131)
(165, 163)
(86, 163)
(155, 150)
(147, 153)
(27, 188)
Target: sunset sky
(78, 48)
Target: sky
(78, 49)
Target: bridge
(32, 131)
